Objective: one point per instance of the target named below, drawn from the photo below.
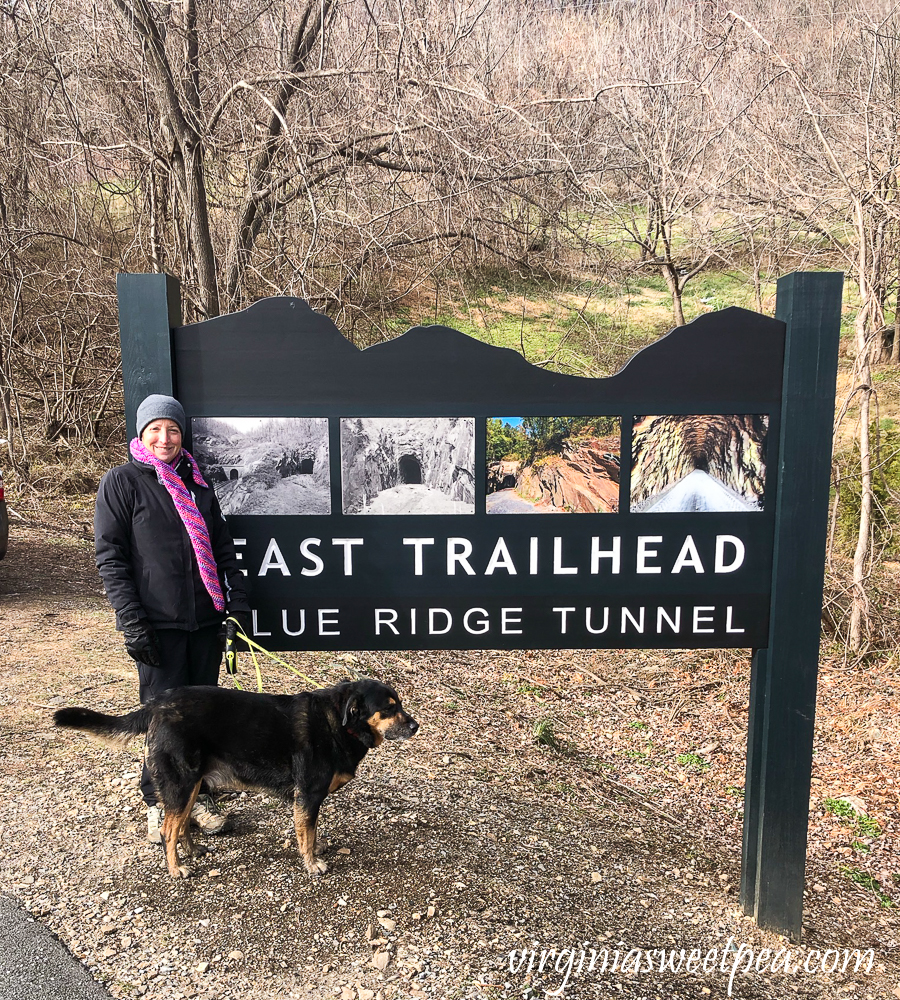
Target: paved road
(509, 502)
(414, 498)
(34, 965)
(695, 492)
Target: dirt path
(621, 831)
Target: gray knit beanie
(158, 407)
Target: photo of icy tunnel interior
(695, 463)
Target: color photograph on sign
(553, 465)
(265, 465)
(408, 465)
(693, 463)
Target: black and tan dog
(301, 747)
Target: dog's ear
(352, 711)
(355, 720)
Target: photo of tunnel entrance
(265, 465)
(553, 465)
(410, 470)
(408, 465)
(696, 463)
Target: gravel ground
(447, 852)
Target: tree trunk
(859, 603)
(197, 208)
(859, 599)
(303, 38)
(670, 273)
(895, 347)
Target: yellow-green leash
(252, 645)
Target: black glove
(238, 621)
(141, 643)
(229, 630)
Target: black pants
(185, 658)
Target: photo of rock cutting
(553, 465)
(698, 463)
(408, 465)
(265, 465)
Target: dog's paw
(181, 871)
(317, 868)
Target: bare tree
(668, 134)
(833, 130)
(319, 148)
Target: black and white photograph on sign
(265, 465)
(553, 465)
(408, 465)
(698, 463)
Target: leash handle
(230, 657)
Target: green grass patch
(869, 882)
(863, 826)
(544, 734)
(692, 761)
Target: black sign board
(359, 487)
(434, 492)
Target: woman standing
(170, 571)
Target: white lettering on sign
(563, 618)
(729, 624)
(637, 623)
(331, 619)
(418, 544)
(507, 621)
(446, 625)
(644, 553)
(348, 544)
(589, 619)
(316, 565)
(614, 555)
(737, 559)
(273, 559)
(599, 556)
(386, 618)
(701, 615)
(558, 568)
(626, 620)
(673, 623)
(480, 625)
(458, 552)
(239, 555)
(500, 559)
(688, 556)
(285, 626)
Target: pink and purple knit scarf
(189, 514)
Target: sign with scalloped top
(410, 495)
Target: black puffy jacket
(145, 556)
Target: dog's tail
(114, 730)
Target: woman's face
(162, 438)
